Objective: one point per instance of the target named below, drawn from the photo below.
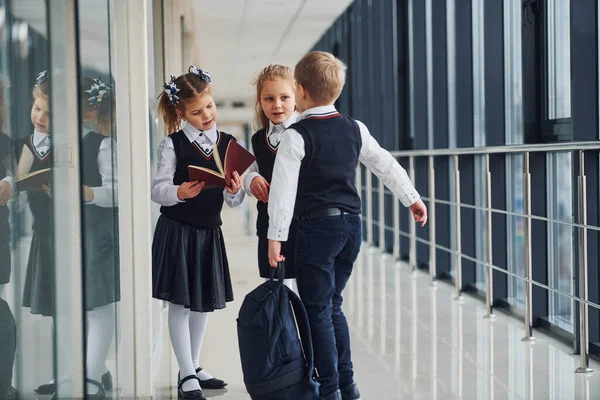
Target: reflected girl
(100, 241)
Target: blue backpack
(277, 364)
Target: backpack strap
(304, 330)
(279, 272)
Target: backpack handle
(304, 330)
(279, 272)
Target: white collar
(286, 124)
(38, 137)
(320, 110)
(192, 133)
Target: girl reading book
(189, 262)
(275, 107)
(35, 155)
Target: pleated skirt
(189, 266)
(39, 291)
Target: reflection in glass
(560, 239)
(8, 332)
(98, 169)
(516, 230)
(479, 135)
(100, 242)
(513, 101)
(558, 33)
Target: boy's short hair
(322, 75)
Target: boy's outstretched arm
(282, 196)
(391, 173)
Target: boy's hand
(275, 253)
(189, 190)
(5, 193)
(236, 184)
(47, 189)
(419, 212)
(260, 189)
(88, 194)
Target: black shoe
(350, 392)
(46, 388)
(337, 395)
(99, 395)
(192, 394)
(50, 388)
(11, 394)
(212, 383)
(107, 381)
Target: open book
(236, 159)
(26, 180)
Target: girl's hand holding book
(235, 184)
(189, 190)
(88, 194)
(47, 189)
(5, 193)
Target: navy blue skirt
(189, 266)
(39, 291)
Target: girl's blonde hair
(269, 73)
(190, 85)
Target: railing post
(411, 223)
(489, 272)
(431, 212)
(527, 210)
(369, 190)
(584, 350)
(458, 277)
(381, 217)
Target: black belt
(324, 212)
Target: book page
(25, 162)
(210, 171)
(218, 161)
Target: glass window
(513, 98)
(99, 179)
(57, 175)
(27, 268)
(560, 239)
(558, 51)
(516, 230)
(479, 136)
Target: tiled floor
(409, 341)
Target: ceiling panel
(246, 35)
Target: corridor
(410, 342)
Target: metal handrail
(511, 149)
(581, 226)
(504, 212)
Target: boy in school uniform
(313, 183)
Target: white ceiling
(237, 38)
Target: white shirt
(282, 197)
(164, 191)
(107, 194)
(275, 139)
